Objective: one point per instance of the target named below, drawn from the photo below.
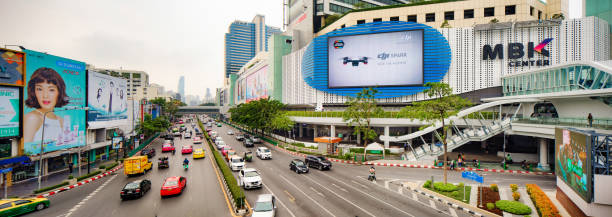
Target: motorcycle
(372, 177)
(185, 166)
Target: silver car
(265, 206)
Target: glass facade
(599, 8)
(240, 44)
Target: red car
(197, 140)
(225, 149)
(187, 149)
(167, 147)
(173, 186)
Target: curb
(80, 183)
(453, 205)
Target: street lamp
(42, 139)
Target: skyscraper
(244, 40)
(181, 88)
(208, 97)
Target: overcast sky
(164, 38)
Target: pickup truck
(136, 165)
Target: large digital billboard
(54, 87)
(107, 101)
(573, 161)
(12, 67)
(257, 84)
(378, 59)
(9, 111)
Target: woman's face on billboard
(46, 93)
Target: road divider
(80, 183)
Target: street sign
(472, 176)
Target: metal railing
(387, 114)
(575, 122)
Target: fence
(142, 145)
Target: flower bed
(542, 203)
(488, 196)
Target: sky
(166, 39)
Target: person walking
(70, 167)
(590, 118)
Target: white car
(229, 132)
(249, 178)
(220, 144)
(265, 206)
(236, 163)
(263, 153)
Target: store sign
(9, 111)
(517, 51)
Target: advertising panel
(257, 84)
(9, 111)
(55, 87)
(117, 142)
(379, 59)
(573, 161)
(241, 90)
(107, 101)
(12, 67)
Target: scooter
(372, 177)
(186, 166)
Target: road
(202, 197)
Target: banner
(117, 142)
(257, 85)
(107, 101)
(54, 91)
(573, 161)
(11, 67)
(9, 112)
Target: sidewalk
(26, 187)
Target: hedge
(112, 166)
(542, 203)
(50, 187)
(448, 187)
(89, 175)
(302, 145)
(513, 207)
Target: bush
(427, 184)
(102, 167)
(516, 196)
(50, 187)
(542, 203)
(490, 206)
(290, 149)
(70, 177)
(88, 175)
(455, 194)
(514, 187)
(460, 185)
(112, 166)
(513, 207)
(494, 187)
(448, 187)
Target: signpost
(3, 171)
(474, 177)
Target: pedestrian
(70, 167)
(590, 117)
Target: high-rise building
(599, 8)
(244, 40)
(208, 97)
(181, 88)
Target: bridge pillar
(332, 131)
(387, 136)
(543, 149)
(315, 128)
(301, 130)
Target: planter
(488, 196)
(72, 181)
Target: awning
(14, 160)
(328, 139)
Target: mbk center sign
(517, 51)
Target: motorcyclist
(185, 163)
(372, 173)
(173, 151)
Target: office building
(181, 88)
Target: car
(135, 189)
(225, 149)
(249, 178)
(263, 153)
(208, 130)
(163, 162)
(177, 133)
(239, 137)
(173, 186)
(187, 135)
(218, 138)
(181, 122)
(167, 147)
(198, 153)
(248, 143)
(187, 149)
(256, 140)
(175, 129)
(220, 144)
(199, 133)
(236, 163)
(265, 206)
(318, 162)
(219, 125)
(169, 141)
(298, 166)
(149, 152)
(20, 206)
(229, 154)
(229, 132)
(197, 140)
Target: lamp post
(42, 139)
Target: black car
(248, 143)
(149, 152)
(298, 166)
(239, 137)
(163, 163)
(135, 189)
(318, 162)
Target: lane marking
(452, 212)
(348, 201)
(432, 204)
(279, 200)
(291, 198)
(338, 187)
(75, 208)
(415, 197)
(362, 185)
(313, 200)
(319, 193)
(399, 190)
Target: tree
(443, 105)
(494, 20)
(281, 121)
(208, 104)
(559, 16)
(331, 18)
(359, 113)
(264, 114)
(150, 126)
(360, 5)
(445, 24)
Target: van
(136, 165)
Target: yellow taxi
(198, 153)
(20, 206)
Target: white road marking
(415, 197)
(362, 185)
(279, 200)
(452, 212)
(399, 190)
(432, 204)
(365, 211)
(338, 187)
(89, 196)
(319, 193)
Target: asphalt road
(202, 196)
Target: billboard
(107, 101)
(54, 86)
(573, 161)
(12, 67)
(241, 90)
(9, 111)
(117, 142)
(378, 59)
(257, 84)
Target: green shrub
(290, 149)
(109, 167)
(460, 185)
(455, 194)
(448, 187)
(102, 167)
(50, 187)
(490, 206)
(514, 187)
(494, 187)
(427, 184)
(513, 207)
(88, 175)
(70, 177)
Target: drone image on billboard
(379, 59)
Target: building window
(468, 14)
(412, 18)
(5, 148)
(531, 11)
(449, 15)
(360, 21)
(539, 15)
(510, 9)
(377, 20)
(489, 12)
(394, 19)
(431, 17)
(319, 7)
